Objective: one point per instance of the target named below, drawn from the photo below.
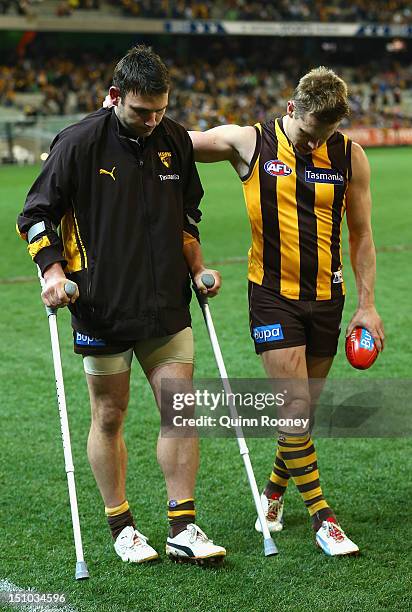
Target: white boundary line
(8, 587)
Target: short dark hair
(323, 94)
(141, 71)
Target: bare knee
(108, 404)
(298, 408)
(108, 417)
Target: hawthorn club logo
(165, 158)
(103, 171)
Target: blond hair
(323, 94)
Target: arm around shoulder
(225, 142)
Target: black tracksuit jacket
(122, 209)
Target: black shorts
(278, 322)
(85, 344)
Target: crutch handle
(208, 280)
(70, 288)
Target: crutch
(269, 546)
(81, 568)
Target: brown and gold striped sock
(299, 456)
(119, 518)
(180, 513)
(279, 478)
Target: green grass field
(367, 481)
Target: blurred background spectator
(237, 81)
(21, 7)
(390, 11)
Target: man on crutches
(123, 187)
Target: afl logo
(276, 167)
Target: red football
(361, 349)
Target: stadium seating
(374, 11)
(205, 92)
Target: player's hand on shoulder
(108, 102)
(209, 291)
(369, 319)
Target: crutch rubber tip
(81, 570)
(269, 547)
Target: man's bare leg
(109, 397)
(106, 449)
(318, 369)
(296, 454)
(178, 456)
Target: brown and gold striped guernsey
(296, 204)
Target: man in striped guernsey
(300, 175)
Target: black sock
(180, 513)
(117, 522)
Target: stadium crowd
(36, 7)
(205, 93)
(21, 7)
(391, 11)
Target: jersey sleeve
(47, 201)
(193, 193)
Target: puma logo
(103, 171)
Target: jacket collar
(161, 130)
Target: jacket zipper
(150, 251)
(84, 258)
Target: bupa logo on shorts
(85, 340)
(366, 340)
(323, 175)
(276, 167)
(268, 333)
(337, 277)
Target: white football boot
(331, 538)
(132, 546)
(273, 511)
(192, 545)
